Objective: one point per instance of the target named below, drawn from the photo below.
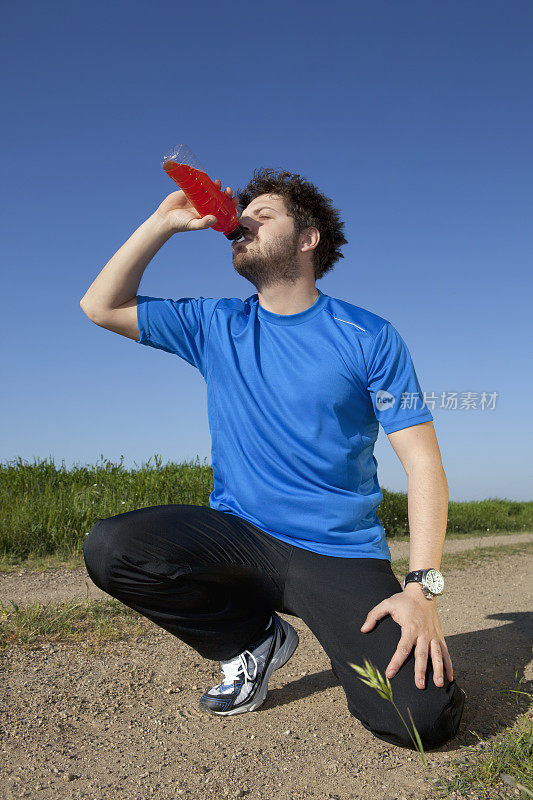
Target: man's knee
(436, 716)
(100, 553)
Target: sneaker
(245, 685)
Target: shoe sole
(283, 655)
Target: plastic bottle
(182, 166)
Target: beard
(270, 263)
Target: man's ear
(309, 239)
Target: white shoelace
(236, 667)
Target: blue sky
(414, 117)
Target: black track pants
(212, 579)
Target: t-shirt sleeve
(179, 326)
(393, 384)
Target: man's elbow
(87, 310)
(427, 466)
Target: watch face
(434, 581)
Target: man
(297, 384)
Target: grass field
(47, 510)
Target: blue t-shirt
(294, 405)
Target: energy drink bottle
(182, 166)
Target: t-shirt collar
(292, 319)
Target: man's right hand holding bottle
(179, 215)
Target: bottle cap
(236, 233)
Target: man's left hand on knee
(421, 628)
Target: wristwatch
(430, 580)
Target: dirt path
(56, 585)
(123, 724)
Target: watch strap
(415, 575)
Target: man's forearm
(427, 493)
(119, 280)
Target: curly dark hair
(308, 207)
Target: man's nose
(247, 223)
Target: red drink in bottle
(182, 166)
